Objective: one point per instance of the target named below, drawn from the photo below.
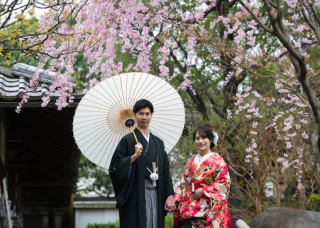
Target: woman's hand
(197, 194)
(170, 204)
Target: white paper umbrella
(99, 121)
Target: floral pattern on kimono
(213, 177)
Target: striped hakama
(151, 204)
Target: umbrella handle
(134, 134)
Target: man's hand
(197, 194)
(137, 152)
(138, 149)
(170, 204)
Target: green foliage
(103, 225)
(116, 224)
(168, 223)
(102, 184)
(19, 29)
(315, 199)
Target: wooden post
(154, 167)
(71, 211)
(51, 218)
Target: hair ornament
(215, 138)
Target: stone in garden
(278, 217)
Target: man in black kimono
(142, 203)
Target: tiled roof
(14, 82)
(27, 71)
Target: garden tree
(15, 56)
(273, 149)
(16, 31)
(280, 21)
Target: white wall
(83, 216)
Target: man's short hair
(143, 103)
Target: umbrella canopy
(99, 121)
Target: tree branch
(273, 5)
(309, 19)
(198, 101)
(207, 92)
(193, 21)
(256, 18)
(314, 13)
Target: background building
(38, 155)
(94, 210)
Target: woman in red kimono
(208, 173)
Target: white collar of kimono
(147, 138)
(197, 159)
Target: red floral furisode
(213, 177)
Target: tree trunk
(258, 204)
(277, 181)
(302, 191)
(315, 148)
(234, 190)
(259, 190)
(302, 195)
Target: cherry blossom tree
(273, 144)
(280, 20)
(98, 25)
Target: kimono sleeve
(219, 190)
(168, 180)
(181, 189)
(178, 199)
(120, 166)
(179, 194)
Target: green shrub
(117, 223)
(168, 222)
(103, 225)
(315, 198)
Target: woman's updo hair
(205, 132)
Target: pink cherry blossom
(303, 121)
(297, 44)
(283, 91)
(229, 114)
(307, 41)
(254, 125)
(295, 17)
(304, 135)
